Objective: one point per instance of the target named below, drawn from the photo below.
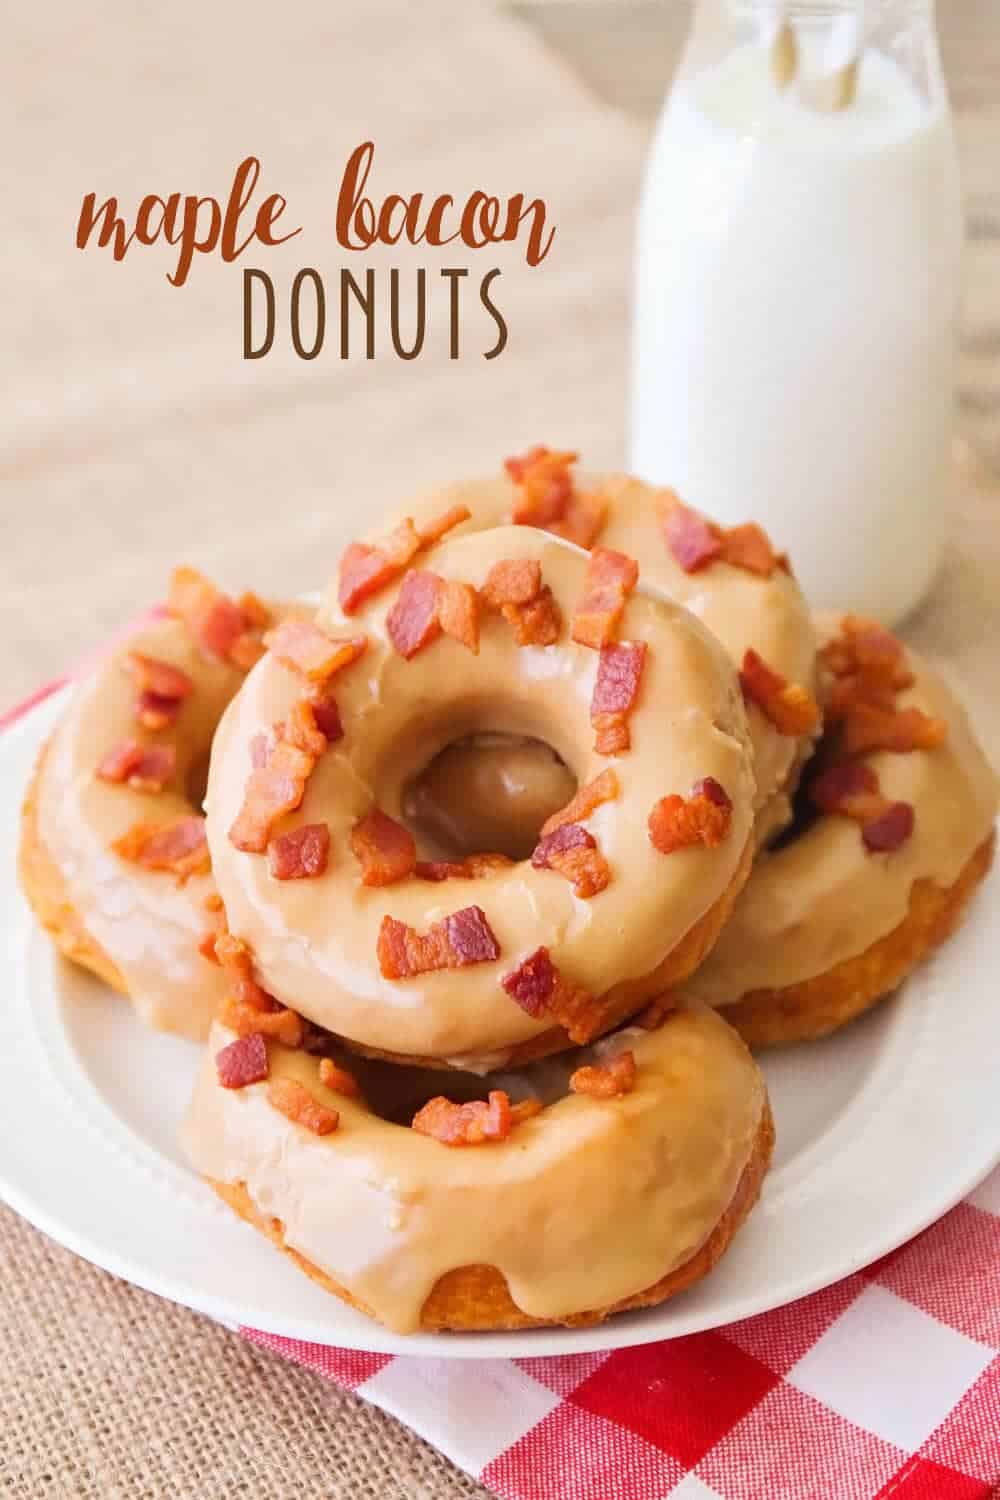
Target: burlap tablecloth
(134, 435)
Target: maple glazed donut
(584, 1186)
(113, 857)
(730, 577)
(895, 834)
(480, 962)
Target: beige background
(133, 435)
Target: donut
(113, 857)
(583, 1186)
(894, 834)
(481, 962)
(731, 578)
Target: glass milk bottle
(796, 288)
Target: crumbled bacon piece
(337, 1079)
(869, 727)
(366, 569)
(384, 848)
(242, 1062)
(237, 964)
(179, 847)
(866, 646)
(146, 768)
(301, 854)
(213, 901)
(206, 947)
(788, 706)
(704, 817)
(586, 800)
(656, 1012)
(475, 1123)
(537, 986)
(610, 1079)
(749, 547)
(514, 587)
(573, 852)
(693, 542)
(302, 730)
(282, 1025)
(161, 678)
(272, 790)
(548, 498)
(294, 1101)
(458, 613)
(849, 787)
(155, 712)
(615, 691)
(464, 937)
(611, 578)
(221, 627)
(889, 830)
(326, 716)
(412, 623)
(309, 651)
(472, 867)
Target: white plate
(880, 1130)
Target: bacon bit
(889, 830)
(514, 587)
(294, 1101)
(337, 1079)
(611, 577)
(159, 677)
(213, 901)
(327, 716)
(704, 818)
(221, 627)
(366, 569)
(237, 965)
(308, 650)
(604, 788)
(692, 541)
(656, 1012)
(458, 613)
(153, 712)
(256, 614)
(532, 983)
(465, 937)
(865, 645)
(207, 947)
(859, 687)
(473, 1124)
(573, 852)
(611, 1079)
(302, 730)
(749, 547)
(472, 867)
(246, 1020)
(247, 650)
(301, 854)
(384, 848)
(413, 622)
(788, 706)
(869, 727)
(549, 499)
(146, 768)
(537, 986)
(242, 1062)
(615, 691)
(178, 847)
(850, 788)
(272, 790)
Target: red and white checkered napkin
(883, 1385)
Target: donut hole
(487, 793)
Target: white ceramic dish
(880, 1130)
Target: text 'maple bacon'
(616, 689)
(366, 568)
(145, 768)
(178, 847)
(465, 937)
(242, 1062)
(611, 578)
(302, 854)
(610, 1079)
(385, 850)
(788, 706)
(476, 1123)
(702, 818)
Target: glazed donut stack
(559, 775)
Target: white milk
(796, 290)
